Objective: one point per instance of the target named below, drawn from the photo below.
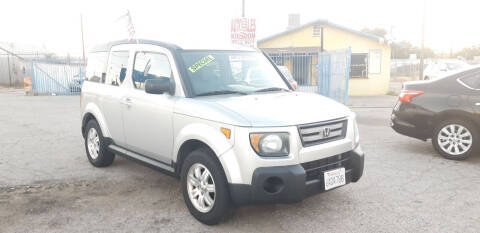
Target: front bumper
(293, 183)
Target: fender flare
(207, 134)
(204, 133)
(94, 110)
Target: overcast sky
(56, 24)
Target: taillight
(407, 96)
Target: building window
(317, 31)
(359, 65)
(375, 62)
(472, 81)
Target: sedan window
(472, 81)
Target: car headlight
(356, 134)
(270, 144)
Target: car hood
(271, 109)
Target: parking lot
(48, 185)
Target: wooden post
(83, 43)
(243, 8)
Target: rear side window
(117, 69)
(472, 80)
(97, 67)
(149, 65)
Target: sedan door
(148, 119)
(472, 84)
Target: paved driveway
(47, 184)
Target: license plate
(334, 178)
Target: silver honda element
(223, 120)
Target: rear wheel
(455, 139)
(205, 188)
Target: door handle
(126, 101)
(477, 104)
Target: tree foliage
(403, 49)
(376, 31)
(469, 53)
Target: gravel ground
(47, 184)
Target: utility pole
(83, 43)
(243, 8)
(451, 48)
(391, 39)
(9, 75)
(422, 54)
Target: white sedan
(438, 69)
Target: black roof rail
(105, 47)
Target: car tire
(455, 143)
(194, 194)
(96, 146)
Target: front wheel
(455, 139)
(96, 146)
(205, 188)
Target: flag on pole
(126, 20)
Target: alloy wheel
(455, 139)
(201, 187)
(93, 143)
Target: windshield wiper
(272, 89)
(222, 92)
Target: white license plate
(334, 178)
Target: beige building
(370, 54)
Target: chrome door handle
(477, 104)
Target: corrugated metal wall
(13, 70)
(59, 79)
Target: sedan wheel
(455, 139)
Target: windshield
(230, 72)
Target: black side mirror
(159, 86)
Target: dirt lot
(47, 184)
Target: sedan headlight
(270, 144)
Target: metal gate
(58, 79)
(326, 73)
(334, 74)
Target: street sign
(243, 31)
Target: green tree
(376, 31)
(469, 52)
(403, 49)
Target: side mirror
(159, 86)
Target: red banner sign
(243, 31)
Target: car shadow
(426, 149)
